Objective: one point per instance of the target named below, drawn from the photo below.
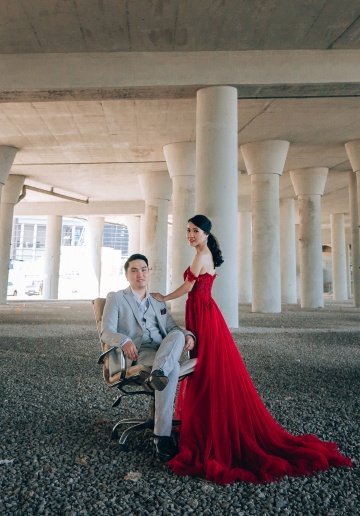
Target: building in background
(28, 252)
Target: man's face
(138, 274)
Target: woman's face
(195, 235)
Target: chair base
(137, 425)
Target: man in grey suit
(149, 337)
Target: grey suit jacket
(121, 321)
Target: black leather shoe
(157, 381)
(165, 447)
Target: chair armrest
(187, 368)
(103, 355)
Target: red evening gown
(227, 434)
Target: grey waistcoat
(152, 337)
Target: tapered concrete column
(52, 257)
(287, 251)
(142, 233)
(133, 225)
(10, 196)
(264, 162)
(94, 238)
(353, 151)
(297, 250)
(244, 244)
(217, 183)
(169, 260)
(355, 245)
(156, 190)
(348, 270)
(338, 251)
(181, 161)
(245, 266)
(309, 184)
(7, 156)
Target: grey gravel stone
(56, 457)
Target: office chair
(120, 374)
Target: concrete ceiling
(90, 141)
(40, 26)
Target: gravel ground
(56, 457)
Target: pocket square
(163, 311)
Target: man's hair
(135, 257)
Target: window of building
(28, 237)
(40, 236)
(66, 236)
(116, 236)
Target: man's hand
(189, 343)
(130, 351)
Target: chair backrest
(98, 305)
(186, 367)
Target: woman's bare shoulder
(202, 263)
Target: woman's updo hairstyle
(202, 222)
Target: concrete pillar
(142, 234)
(7, 156)
(297, 251)
(245, 266)
(217, 184)
(133, 225)
(338, 252)
(10, 196)
(156, 190)
(169, 260)
(348, 270)
(353, 151)
(309, 184)
(181, 161)
(94, 238)
(52, 257)
(287, 251)
(355, 245)
(264, 162)
(244, 243)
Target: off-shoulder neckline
(205, 273)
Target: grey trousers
(165, 358)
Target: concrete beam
(73, 209)
(178, 74)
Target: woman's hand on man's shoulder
(157, 296)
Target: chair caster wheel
(124, 447)
(115, 436)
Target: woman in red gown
(227, 434)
